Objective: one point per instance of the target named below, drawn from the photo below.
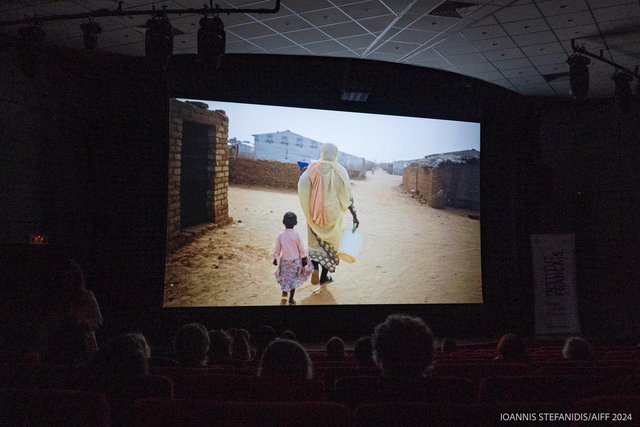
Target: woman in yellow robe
(325, 195)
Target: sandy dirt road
(413, 254)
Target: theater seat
(53, 408)
(364, 389)
(425, 414)
(243, 387)
(201, 413)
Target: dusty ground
(413, 254)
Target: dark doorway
(194, 180)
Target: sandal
(329, 280)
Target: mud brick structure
(198, 172)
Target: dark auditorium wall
(586, 181)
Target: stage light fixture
(30, 49)
(211, 40)
(622, 93)
(158, 39)
(579, 75)
(90, 31)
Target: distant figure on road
(325, 195)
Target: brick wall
(217, 168)
(263, 173)
(410, 178)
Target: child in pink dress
(294, 267)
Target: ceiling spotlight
(91, 31)
(30, 48)
(211, 40)
(579, 75)
(622, 92)
(158, 39)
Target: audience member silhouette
(363, 352)
(220, 347)
(240, 346)
(288, 335)
(191, 345)
(125, 355)
(578, 349)
(403, 346)
(262, 338)
(448, 345)
(335, 349)
(75, 316)
(285, 358)
(510, 349)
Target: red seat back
(53, 408)
(201, 413)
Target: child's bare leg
(291, 300)
(284, 294)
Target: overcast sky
(373, 136)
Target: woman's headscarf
(325, 195)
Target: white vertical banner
(554, 280)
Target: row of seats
(84, 409)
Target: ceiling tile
(132, 49)
(123, 36)
(358, 42)
(474, 68)
(494, 44)
(543, 49)
(592, 44)
(275, 41)
(307, 36)
(433, 63)
(397, 6)
(379, 56)
(185, 41)
(433, 23)
(499, 55)
(520, 72)
(512, 64)
(597, 4)
(485, 22)
(553, 68)
(489, 76)
(528, 81)
(346, 29)
(292, 50)
(525, 27)
(366, 9)
(287, 24)
(188, 24)
(535, 38)
(248, 31)
(377, 24)
(613, 13)
(236, 19)
(425, 55)
(483, 33)
(518, 13)
(306, 5)
(344, 54)
(576, 32)
(325, 17)
(504, 83)
(561, 7)
(461, 60)
(413, 36)
(570, 20)
(242, 46)
(325, 47)
(557, 58)
(396, 48)
(456, 44)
